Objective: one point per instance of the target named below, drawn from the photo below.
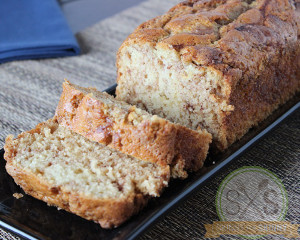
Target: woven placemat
(30, 90)
(7, 236)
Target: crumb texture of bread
(126, 128)
(89, 179)
(219, 65)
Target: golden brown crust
(152, 139)
(253, 45)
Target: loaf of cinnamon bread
(221, 65)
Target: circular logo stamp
(251, 194)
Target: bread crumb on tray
(18, 195)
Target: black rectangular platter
(29, 218)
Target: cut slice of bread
(101, 118)
(67, 170)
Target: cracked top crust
(223, 34)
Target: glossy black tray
(33, 219)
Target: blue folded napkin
(31, 29)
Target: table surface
(30, 90)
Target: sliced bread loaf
(101, 118)
(67, 170)
(223, 65)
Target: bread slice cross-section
(66, 170)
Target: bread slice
(222, 65)
(66, 170)
(101, 118)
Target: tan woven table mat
(7, 236)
